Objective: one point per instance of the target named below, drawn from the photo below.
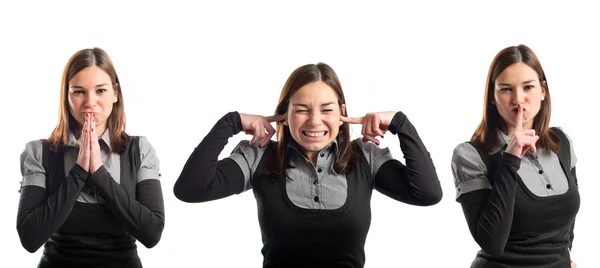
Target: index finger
(273, 118)
(352, 120)
(519, 121)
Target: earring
(341, 123)
(493, 102)
(543, 98)
(285, 123)
(115, 100)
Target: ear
(544, 87)
(115, 96)
(344, 110)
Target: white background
(183, 66)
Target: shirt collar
(105, 138)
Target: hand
(522, 140)
(95, 155)
(260, 127)
(83, 158)
(373, 124)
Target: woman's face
(314, 116)
(91, 91)
(517, 85)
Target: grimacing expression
(314, 116)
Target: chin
(313, 147)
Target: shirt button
(541, 171)
(548, 186)
(316, 199)
(92, 193)
(315, 182)
(319, 170)
(322, 154)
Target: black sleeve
(40, 215)
(489, 213)
(143, 218)
(416, 183)
(204, 177)
(571, 234)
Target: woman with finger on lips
(313, 185)
(90, 190)
(515, 178)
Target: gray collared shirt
(313, 186)
(33, 171)
(541, 172)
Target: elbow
(183, 193)
(153, 239)
(433, 198)
(492, 248)
(30, 247)
(187, 195)
(493, 251)
(151, 242)
(28, 244)
(191, 195)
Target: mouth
(515, 110)
(314, 134)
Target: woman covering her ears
(515, 178)
(313, 186)
(90, 190)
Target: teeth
(314, 134)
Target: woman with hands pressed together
(313, 186)
(516, 177)
(90, 190)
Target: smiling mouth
(314, 134)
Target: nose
(518, 96)
(315, 119)
(90, 100)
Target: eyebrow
(508, 84)
(100, 85)
(306, 105)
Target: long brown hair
(485, 134)
(66, 122)
(346, 156)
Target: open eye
(505, 89)
(528, 87)
(100, 90)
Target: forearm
(143, 217)
(489, 213)
(204, 177)
(416, 183)
(40, 215)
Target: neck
(312, 156)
